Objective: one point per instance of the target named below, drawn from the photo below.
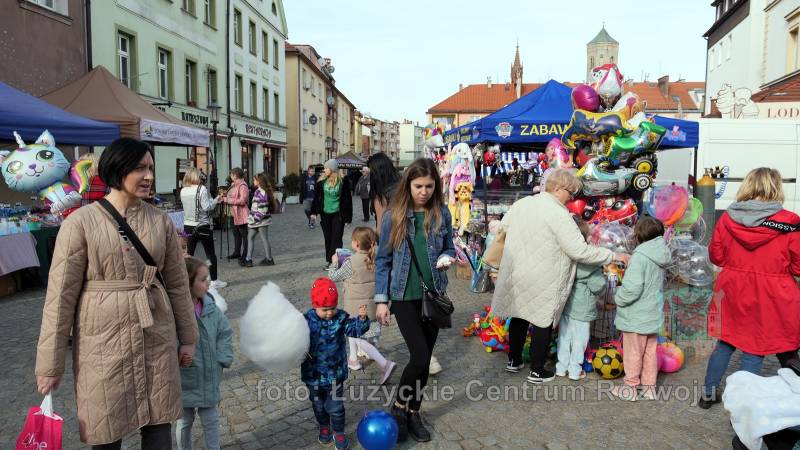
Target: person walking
(238, 197)
(259, 220)
(417, 216)
(119, 283)
(197, 204)
(334, 203)
(362, 190)
(307, 190)
(543, 246)
(756, 303)
(383, 179)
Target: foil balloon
(693, 212)
(589, 126)
(577, 207)
(79, 174)
(621, 150)
(557, 155)
(614, 236)
(599, 182)
(668, 203)
(690, 262)
(585, 97)
(607, 83)
(628, 105)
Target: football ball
(607, 363)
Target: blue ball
(377, 430)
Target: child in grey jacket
(578, 314)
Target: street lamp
(213, 109)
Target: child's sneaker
(513, 368)
(387, 371)
(647, 394)
(561, 374)
(325, 436)
(580, 376)
(434, 367)
(341, 441)
(624, 392)
(353, 364)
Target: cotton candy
(273, 333)
(219, 300)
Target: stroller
(744, 393)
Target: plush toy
(434, 139)
(474, 328)
(39, 168)
(460, 210)
(494, 334)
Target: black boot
(706, 401)
(401, 417)
(416, 429)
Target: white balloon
(273, 333)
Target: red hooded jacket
(756, 302)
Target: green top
(330, 196)
(582, 304)
(413, 288)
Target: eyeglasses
(572, 195)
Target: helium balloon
(693, 211)
(628, 105)
(691, 263)
(577, 207)
(608, 84)
(670, 357)
(696, 232)
(589, 126)
(557, 156)
(377, 430)
(646, 138)
(668, 203)
(614, 236)
(585, 97)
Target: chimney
(489, 82)
(663, 85)
(460, 86)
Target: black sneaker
(416, 428)
(706, 401)
(540, 377)
(401, 417)
(513, 368)
(246, 263)
(267, 262)
(233, 256)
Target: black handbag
(200, 232)
(437, 308)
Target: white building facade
(411, 142)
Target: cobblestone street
(260, 411)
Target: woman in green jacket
(201, 375)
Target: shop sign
(504, 129)
(542, 129)
(196, 119)
(779, 110)
(256, 130)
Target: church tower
(516, 74)
(603, 49)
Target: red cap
(324, 293)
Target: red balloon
(577, 207)
(488, 158)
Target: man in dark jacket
(307, 190)
(362, 190)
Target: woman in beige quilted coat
(130, 332)
(542, 247)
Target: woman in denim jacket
(417, 211)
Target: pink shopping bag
(42, 430)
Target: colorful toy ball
(377, 430)
(670, 357)
(585, 97)
(608, 363)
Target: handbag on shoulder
(436, 307)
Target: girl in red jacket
(756, 302)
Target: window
(274, 8)
(237, 27)
(59, 6)
(212, 86)
(253, 99)
(163, 73)
(210, 8)
(319, 89)
(238, 95)
(251, 36)
(305, 120)
(124, 45)
(277, 108)
(265, 46)
(792, 56)
(191, 83)
(313, 85)
(729, 47)
(721, 50)
(719, 56)
(305, 79)
(275, 53)
(265, 104)
(188, 6)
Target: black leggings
(332, 229)
(240, 241)
(540, 342)
(420, 338)
(206, 237)
(365, 208)
(154, 437)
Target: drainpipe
(300, 119)
(228, 76)
(88, 25)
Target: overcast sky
(395, 59)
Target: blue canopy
(29, 116)
(544, 114)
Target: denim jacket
(392, 265)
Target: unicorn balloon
(39, 168)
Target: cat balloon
(39, 168)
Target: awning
(350, 161)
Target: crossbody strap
(132, 237)
(416, 263)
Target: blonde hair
(95, 159)
(192, 177)
(193, 266)
(562, 179)
(367, 240)
(762, 184)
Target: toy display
(40, 167)
(460, 209)
(607, 362)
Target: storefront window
(248, 150)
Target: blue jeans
(718, 364)
(328, 406)
(210, 420)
